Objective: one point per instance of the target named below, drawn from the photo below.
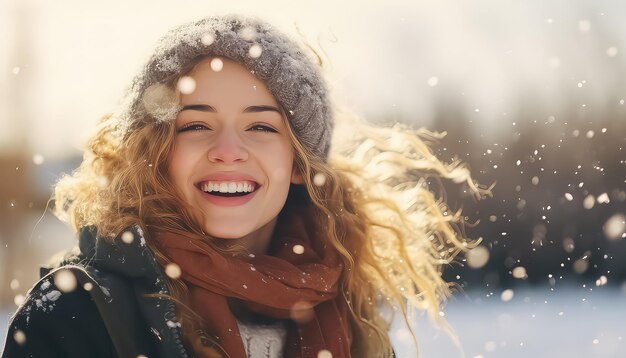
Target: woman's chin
(227, 235)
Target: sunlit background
(531, 95)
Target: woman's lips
(228, 193)
(213, 198)
(229, 183)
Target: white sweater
(263, 340)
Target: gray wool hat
(293, 79)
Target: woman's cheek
(281, 175)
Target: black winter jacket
(107, 315)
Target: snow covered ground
(570, 321)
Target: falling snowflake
(173, 271)
(477, 257)
(19, 337)
(65, 280)
(217, 64)
(186, 85)
(255, 51)
(298, 249)
(128, 237)
(319, 179)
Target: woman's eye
(193, 127)
(263, 128)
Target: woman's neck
(258, 242)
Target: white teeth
(227, 187)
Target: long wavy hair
(393, 233)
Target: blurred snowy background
(531, 93)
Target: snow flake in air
(506, 295)
(324, 353)
(15, 284)
(568, 244)
(589, 202)
(128, 237)
(520, 273)
(255, 51)
(615, 227)
(319, 179)
(477, 257)
(161, 102)
(601, 281)
(581, 265)
(603, 198)
(173, 271)
(217, 64)
(20, 337)
(65, 280)
(298, 249)
(38, 159)
(611, 51)
(186, 85)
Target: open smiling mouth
(228, 189)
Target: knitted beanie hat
(272, 57)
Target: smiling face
(232, 159)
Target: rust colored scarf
(300, 285)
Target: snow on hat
(290, 75)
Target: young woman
(215, 219)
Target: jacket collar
(127, 254)
(134, 260)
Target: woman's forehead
(222, 82)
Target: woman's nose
(227, 147)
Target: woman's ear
(296, 177)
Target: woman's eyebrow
(198, 107)
(208, 108)
(263, 108)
